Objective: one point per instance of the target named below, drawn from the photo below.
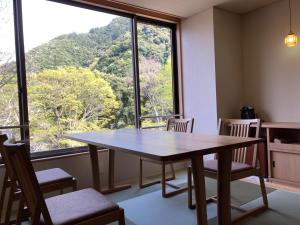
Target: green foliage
(156, 89)
(66, 50)
(110, 33)
(107, 49)
(123, 89)
(154, 42)
(117, 57)
(68, 99)
(9, 113)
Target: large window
(84, 69)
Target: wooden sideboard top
(286, 125)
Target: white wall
(228, 57)
(198, 64)
(126, 168)
(271, 70)
(212, 67)
(231, 60)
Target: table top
(161, 145)
(287, 125)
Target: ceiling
(186, 8)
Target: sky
(44, 20)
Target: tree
(66, 50)
(9, 113)
(68, 99)
(117, 57)
(156, 89)
(123, 89)
(154, 42)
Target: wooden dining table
(169, 146)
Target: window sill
(56, 154)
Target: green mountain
(107, 49)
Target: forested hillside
(83, 82)
(107, 49)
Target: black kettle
(247, 112)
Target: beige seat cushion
(212, 165)
(78, 206)
(52, 176)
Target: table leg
(111, 175)
(224, 172)
(111, 168)
(199, 187)
(95, 167)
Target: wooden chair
(175, 125)
(49, 180)
(84, 207)
(240, 169)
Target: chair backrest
(240, 128)
(180, 125)
(9, 171)
(18, 158)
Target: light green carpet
(238, 197)
(147, 207)
(152, 209)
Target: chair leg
(141, 184)
(122, 217)
(141, 174)
(9, 205)
(163, 180)
(2, 197)
(190, 188)
(20, 211)
(74, 185)
(258, 209)
(263, 191)
(173, 171)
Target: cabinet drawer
(286, 166)
(295, 148)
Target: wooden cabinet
(283, 141)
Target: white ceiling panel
(186, 8)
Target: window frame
(21, 70)
(174, 57)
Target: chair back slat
(240, 128)
(180, 125)
(18, 158)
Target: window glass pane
(156, 75)
(12, 133)
(79, 72)
(9, 113)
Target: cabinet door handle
(273, 163)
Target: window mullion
(175, 71)
(135, 62)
